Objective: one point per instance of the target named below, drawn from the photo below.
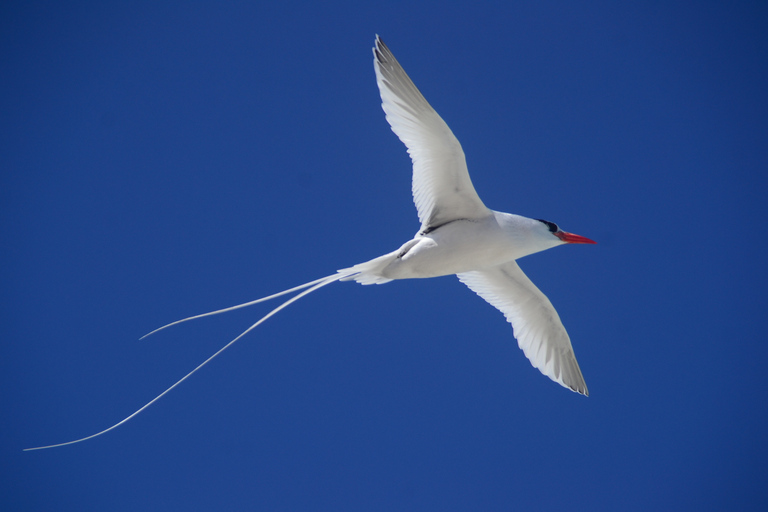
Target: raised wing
(442, 189)
(538, 329)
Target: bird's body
(458, 235)
(460, 245)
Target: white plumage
(458, 235)
(442, 189)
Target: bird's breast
(456, 247)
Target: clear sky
(162, 159)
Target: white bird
(458, 235)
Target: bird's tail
(364, 273)
(370, 271)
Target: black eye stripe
(551, 225)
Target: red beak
(570, 238)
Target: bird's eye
(550, 225)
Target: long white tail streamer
(312, 286)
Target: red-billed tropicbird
(458, 235)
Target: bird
(458, 235)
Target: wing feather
(442, 189)
(537, 326)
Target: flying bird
(458, 235)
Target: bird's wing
(442, 189)
(538, 329)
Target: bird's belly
(461, 246)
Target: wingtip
(380, 48)
(580, 388)
(375, 49)
(576, 385)
(576, 389)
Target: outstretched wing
(538, 329)
(442, 189)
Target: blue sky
(162, 159)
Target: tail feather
(370, 271)
(243, 305)
(307, 287)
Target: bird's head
(563, 236)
